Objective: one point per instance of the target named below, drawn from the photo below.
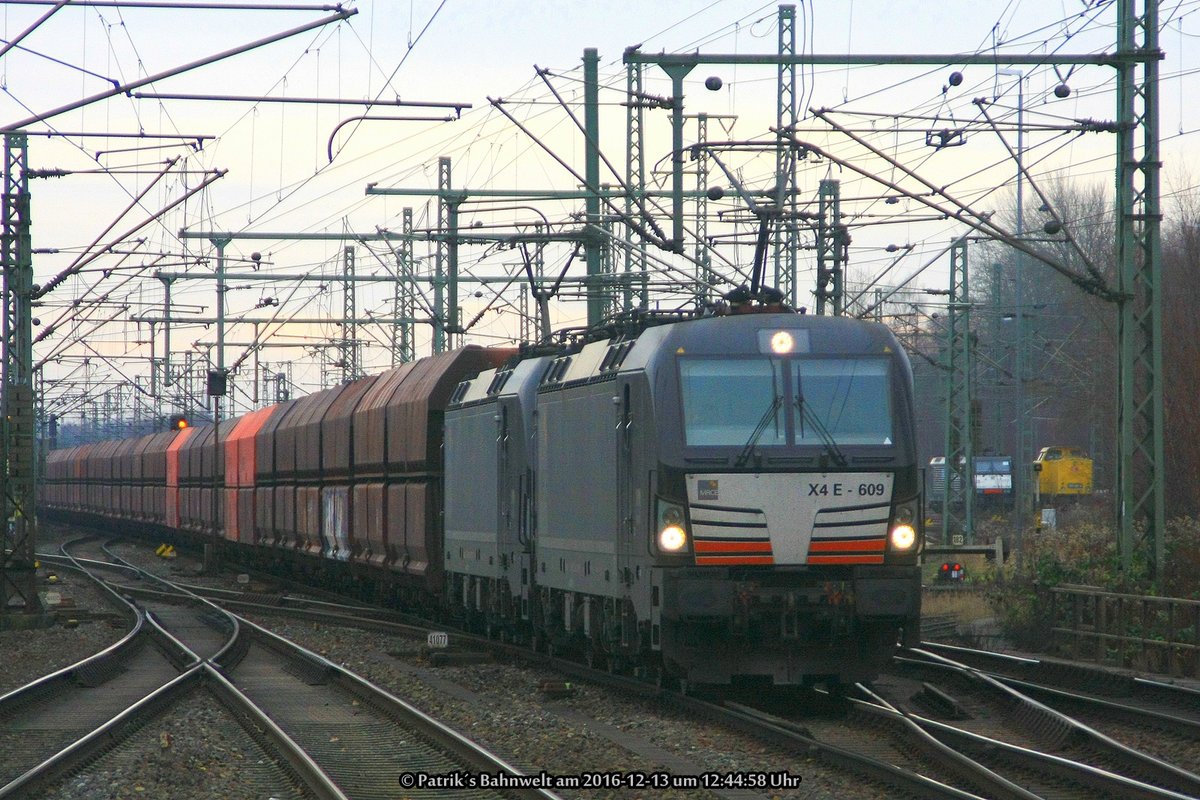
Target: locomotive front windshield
(846, 397)
(777, 402)
(993, 466)
(726, 400)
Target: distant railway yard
(939, 722)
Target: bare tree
(1181, 353)
(1069, 335)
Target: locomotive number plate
(846, 489)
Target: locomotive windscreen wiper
(831, 447)
(757, 433)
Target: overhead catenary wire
(480, 167)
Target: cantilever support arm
(128, 88)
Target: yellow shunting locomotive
(1063, 471)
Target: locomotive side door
(627, 550)
(516, 505)
(505, 502)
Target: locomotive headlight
(782, 342)
(672, 539)
(672, 528)
(903, 536)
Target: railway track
(871, 736)
(1152, 695)
(861, 740)
(318, 720)
(865, 753)
(1038, 746)
(49, 714)
(872, 739)
(1159, 718)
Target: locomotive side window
(725, 401)
(848, 398)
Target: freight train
(709, 501)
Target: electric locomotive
(710, 501)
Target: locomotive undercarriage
(784, 627)
(604, 632)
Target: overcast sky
(280, 177)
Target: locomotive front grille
(726, 536)
(849, 535)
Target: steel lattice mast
(1139, 262)
(18, 586)
(786, 238)
(958, 515)
(635, 180)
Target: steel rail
(309, 610)
(1164, 772)
(764, 726)
(233, 649)
(256, 722)
(100, 661)
(1073, 772)
(300, 762)
(1059, 688)
(111, 732)
(746, 720)
(467, 751)
(104, 737)
(1059, 673)
(1128, 713)
(460, 747)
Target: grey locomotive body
(726, 498)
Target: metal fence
(1148, 634)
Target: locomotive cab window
(844, 399)
(726, 400)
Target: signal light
(179, 422)
(953, 573)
